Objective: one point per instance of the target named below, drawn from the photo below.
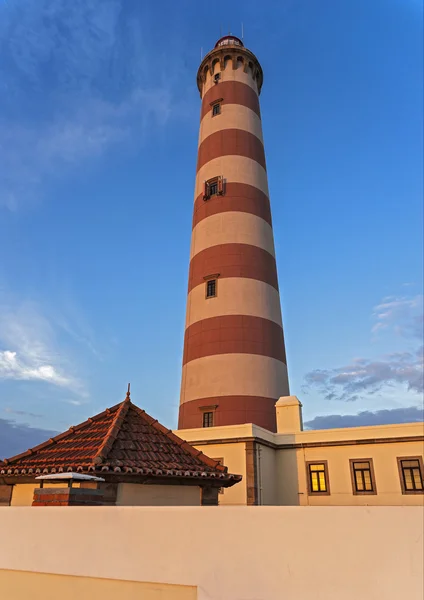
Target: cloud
(363, 375)
(76, 83)
(11, 367)
(402, 314)
(15, 438)
(411, 414)
(21, 413)
(68, 317)
(29, 350)
(368, 376)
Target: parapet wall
(261, 553)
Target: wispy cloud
(369, 376)
(70, 320)
(410, 414)
(29, 350)
(402, 314)
(75, 84)
(22, 413)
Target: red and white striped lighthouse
(234, 363)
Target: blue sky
(99, 118)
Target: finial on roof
(128, 392)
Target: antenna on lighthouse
(201, 53)
(242, 32)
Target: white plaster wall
(234, 456)
(230, 553)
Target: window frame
(215, 279)
(208, 412)
(218, 180)
(401, 478)
(311, 492)
(208, 278)
(356, 492)
(214, 105)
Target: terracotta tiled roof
(122, 439)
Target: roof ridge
(210, 462)
(113, 431)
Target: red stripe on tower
(234, 363)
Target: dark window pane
(410, 463)
(211, 288)
(362, 476)
(412, 476)
(362, 465)
(208, 419)
(216, 109)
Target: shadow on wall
(288, 475)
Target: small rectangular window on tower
(318, 478)
(411, 474)
(211, 288)
(213, 187)
(216, 109)
(208, 419)
(363, 480)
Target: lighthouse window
(213, 188)
(211, 288)
(208, 419)
(216, 109)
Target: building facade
(234, 360)
(377, 465)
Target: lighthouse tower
(234, 362)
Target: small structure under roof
(122, 444)
(68, 478)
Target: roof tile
(120, 438)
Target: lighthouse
(234, 360)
